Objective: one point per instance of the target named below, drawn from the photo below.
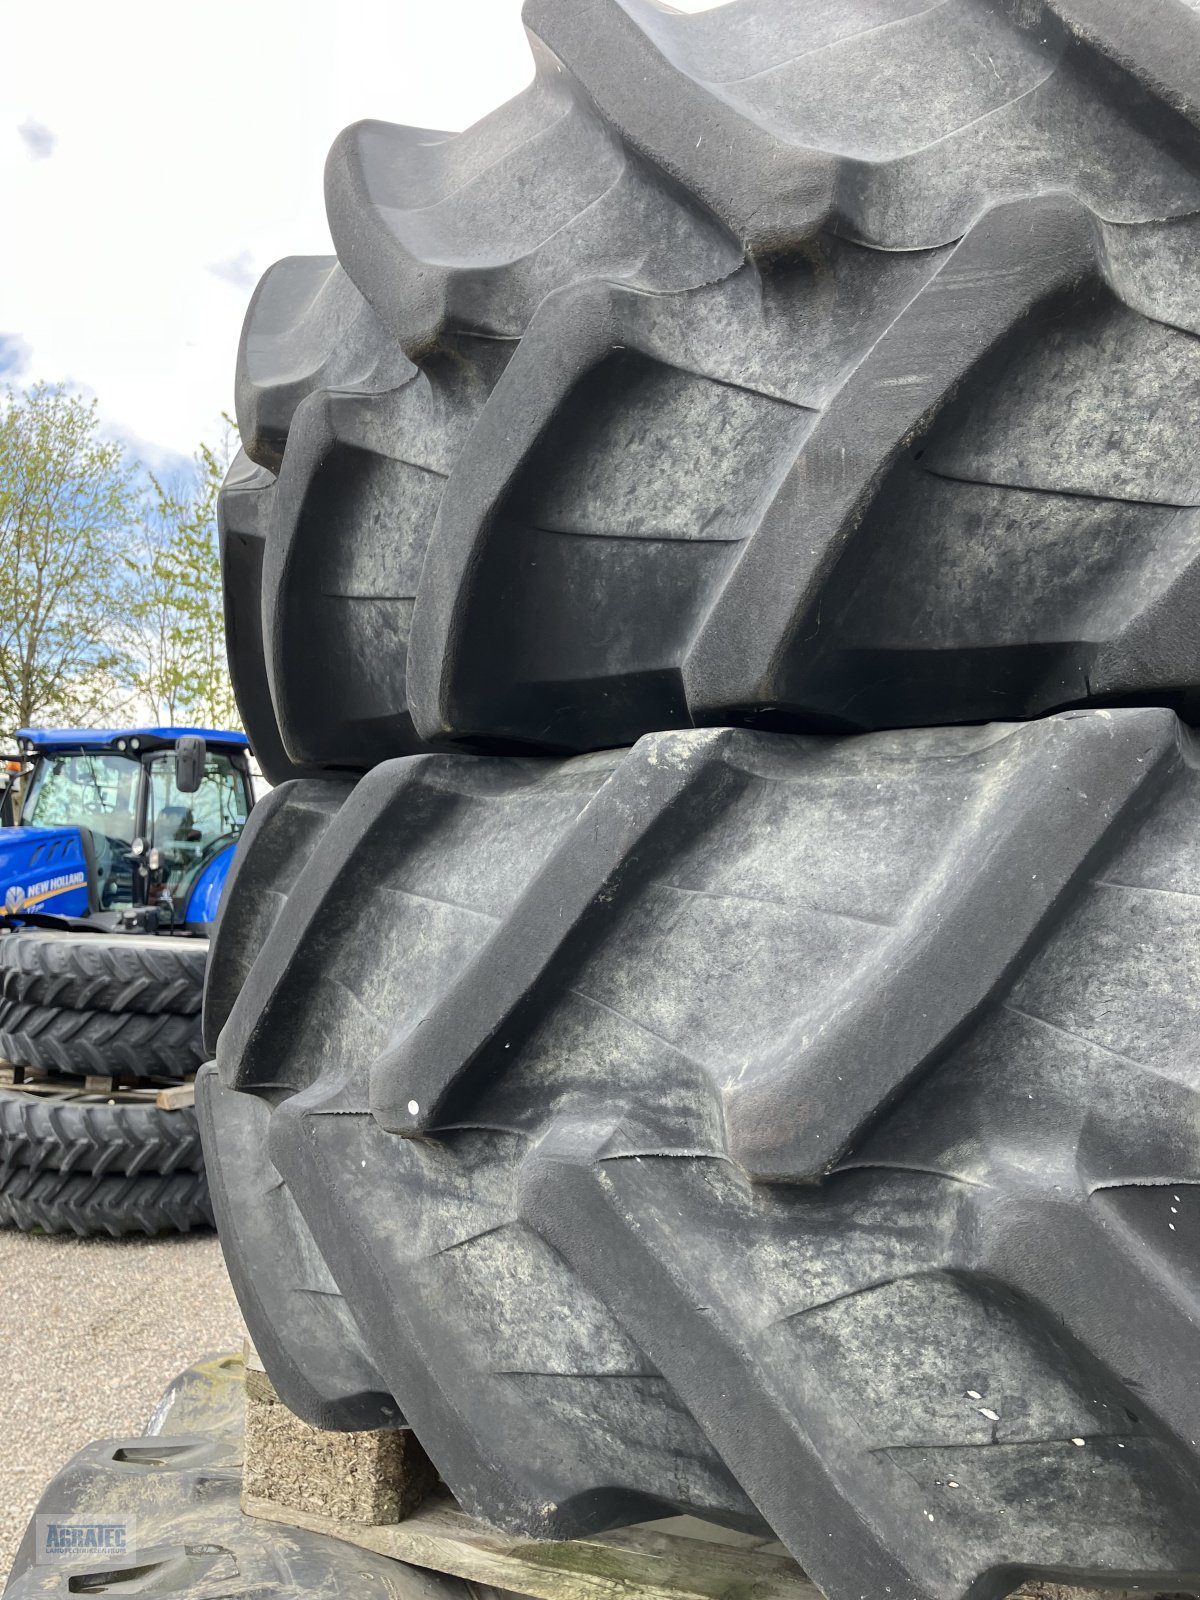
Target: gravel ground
(93, 1331)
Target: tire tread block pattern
(816, 368)
(763, 1161)
(296, 1315)
(90, 972)
(85, 1136)
(116, 1204)
(146, 1044)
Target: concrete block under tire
(789, 1130)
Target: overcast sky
(155, 159)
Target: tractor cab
(124, 828)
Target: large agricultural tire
(792, 1131)
(95, 1135)
(115, 1204)
(163, 1044)
(810, 366)
(180, 1487)
(94, 971)
(298, 1320)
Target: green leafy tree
(67, 497)
(174, 601)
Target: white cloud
(238, 271)
(191, 145)
(39, 141)
(14, 357)
(191, 142)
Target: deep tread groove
(277, 842)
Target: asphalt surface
(92, 1332)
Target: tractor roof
(105, 738)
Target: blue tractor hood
(44, 870)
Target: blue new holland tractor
(112, 862)
(129, 829)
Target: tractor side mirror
(190, 751)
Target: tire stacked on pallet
(74, 1160)
(790, 1119)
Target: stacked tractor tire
(93, 1021)
(708, 1022)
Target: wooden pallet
(96, 1086)
(679, 1558)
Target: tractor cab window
(189, 829)
(97, 791)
